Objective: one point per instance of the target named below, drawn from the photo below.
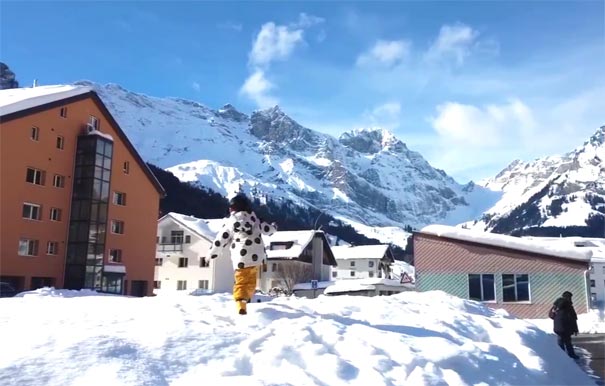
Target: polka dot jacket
(241, 234)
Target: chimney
(35, 83)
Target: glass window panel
(100, 146)
(96, 190)
(105, 191)
(508, 288)
(106, 175)
(85, 210)
(522, 288)
(102, 213)
(82, 188)
(98, 172)
(474, 287)
(99, 160)
(107, 163)
(488, 287)
(108, 149)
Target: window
(28, 247)
(35, 176)
(159, 262)
(119, 198)
(31, 211)
(35, 133)
(63, 112)
(604, 269)
(592, 283)
(481, 287)
(515, 288)
(117, 227)
(591, 268)
(334, 273)
(183, 262)
(52, 248)
(181, 285)
(60, 142)
(157, 284)
(176, 237)
(187, 239)
(94, 122)
(352, 273)
(370, 264)
(203, 284)
(204, 263)
(58, 181)
(371, 273)
(115, 255)
(55, 214)
(273, 267)
(126, 167)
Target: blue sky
(470, 85)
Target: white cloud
(386, 116)
(486, 126)
(274, 42)
(306, 21)
(196, 86)
(257, 88)
(453, 41)
(386, 53)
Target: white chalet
(363, 262)
(182, 243)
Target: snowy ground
(408, 339)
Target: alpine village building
(78, 206)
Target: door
(138, 288)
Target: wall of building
(219, 274)
(362, 269)
(597, 273)
(443, 264)
(19, 151)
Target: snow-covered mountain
(368, 176)
(555, 191)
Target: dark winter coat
(565, 320)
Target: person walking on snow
(565, 322)
(242, 235)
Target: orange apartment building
(78, 206)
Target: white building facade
(182, 244)
(362, 262)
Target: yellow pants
(245, 286)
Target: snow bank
(592, 322)
(60, 293)
(408, 339)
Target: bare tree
(292, 273)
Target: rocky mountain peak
(371, 140)
(598, 138)
(228, 111)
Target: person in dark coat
(565, 323)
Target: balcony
(169, 247)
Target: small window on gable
(187, 239)
(126, 167)
(35, 133)
(63, 112)
(60, 142)
(94, 122)
(277, 245)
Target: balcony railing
(170, 247)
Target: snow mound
(408, 339)
(60, 293)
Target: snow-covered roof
(360, 252)
(17, 99)
(287, 244)
(280, 245)
(506, 241)
(594, 244)
(354, 285)
(203, 228)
